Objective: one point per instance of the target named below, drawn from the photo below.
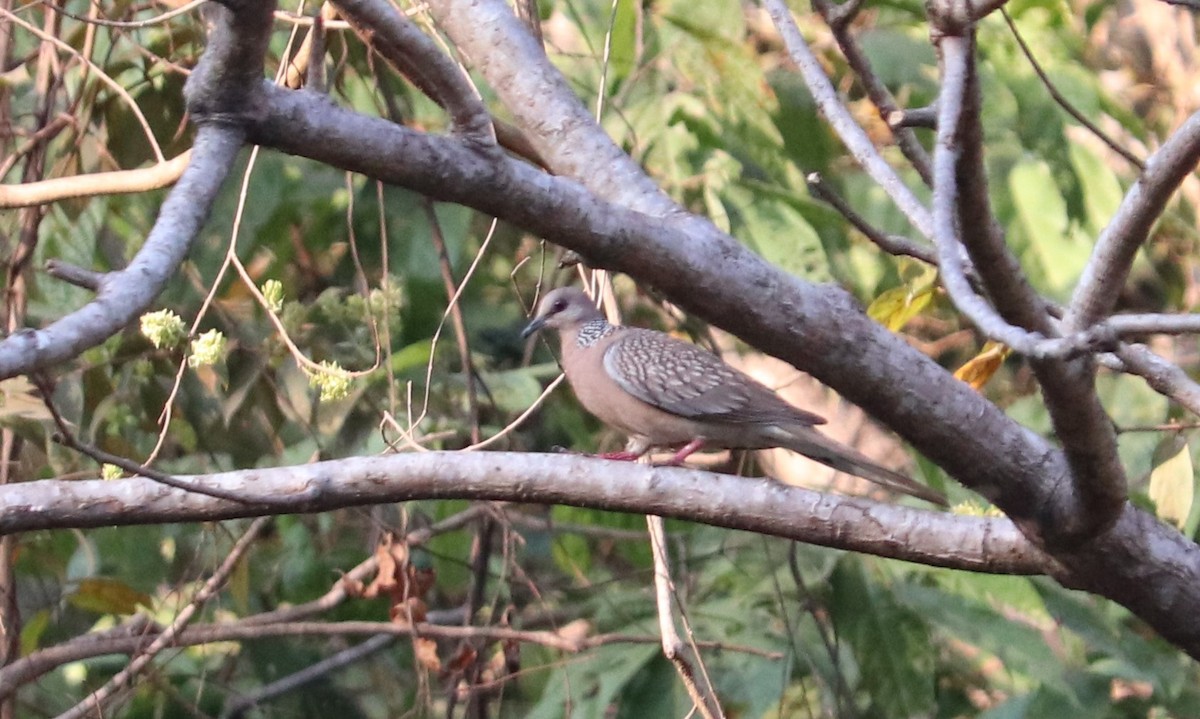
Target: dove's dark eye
(558, 306)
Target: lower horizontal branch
(756, 505)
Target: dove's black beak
(534, 325)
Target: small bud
(110, 471)
(272, 291)
(332, 380)
(207, 349)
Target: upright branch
(223, 94)
(838, 18)
(1106, 271)
(1092, 495)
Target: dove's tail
(814, 445)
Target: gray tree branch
(1141, 563)
(763, 506)
(960, 204)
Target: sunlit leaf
(980, 368)
(895, 307)
(1173, 484)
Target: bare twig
(853, 136)
(704, 699)
(892, 244)
(456, 318)
(838, 18)
(1065, 104)
(294, 681)
(98, 183)
(130, 24)
(1168, 427)
(821, 621)
(96, 701)
(925, 117)
(78, 276)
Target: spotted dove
(667, 393)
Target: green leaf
(1101, 190)
(1043, 216)
(623, 39)
(890, 643)
(590, 685)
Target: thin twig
(841, 689)
(892, 244)
(851, 133)
(67, 438)
(72, 274)
(1066, 104)
(456, 317)
(116, 182)
(95, 701)
(294, 681)
(705, 700)
(129, 24)
(1168, 427)
(924, 117)
(838, 18)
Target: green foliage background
(702, 96)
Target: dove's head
(563, 308)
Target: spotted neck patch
(593, 331)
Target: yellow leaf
(107, 596)
(1173, 486)
(980, 368)
(895, 307)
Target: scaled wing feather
(685, 380)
